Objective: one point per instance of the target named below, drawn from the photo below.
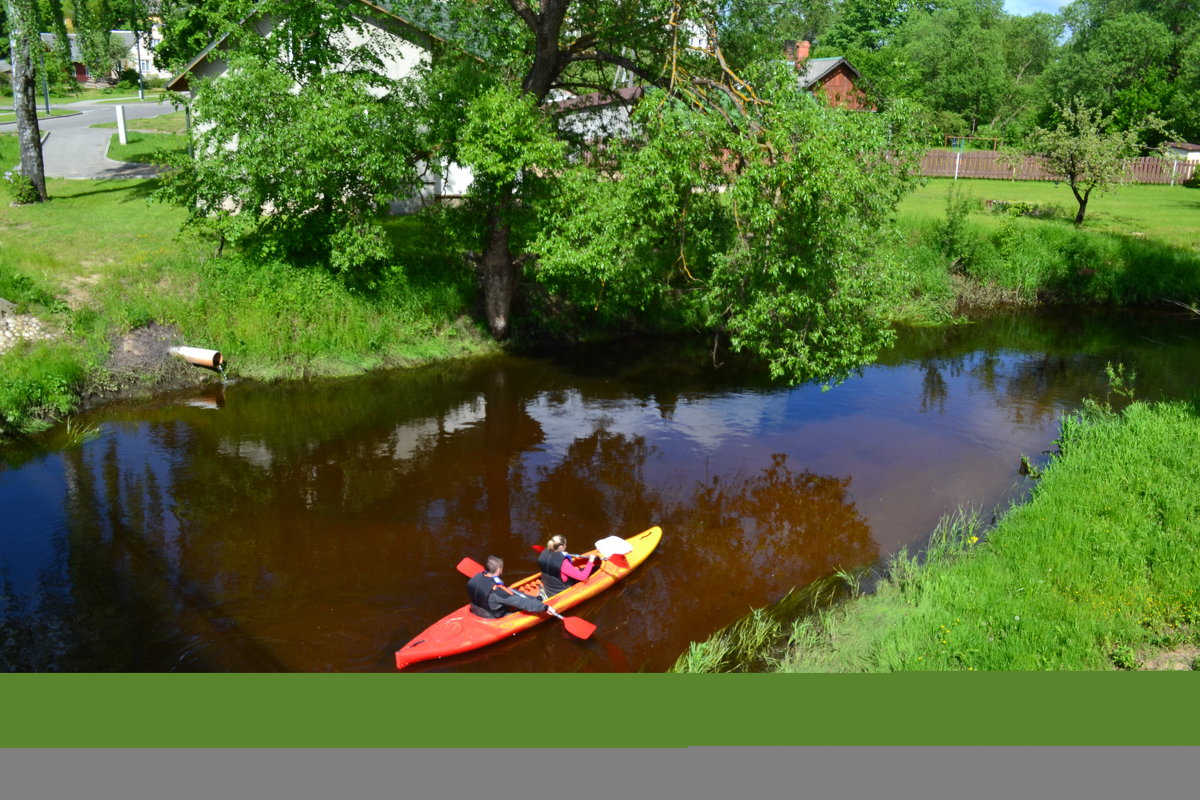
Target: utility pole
(137, 40)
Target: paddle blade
(470, 567)
(618, 560)
(578, 626)
(537, 548)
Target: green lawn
(59, 241)
(10, 153)
(141, 148)
(1170, 214)
(9, 116)
(1097, 571)
(173, 122)
(107, 95)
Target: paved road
(73, 149)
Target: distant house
(1184, 151)
(405, 44)
(145, 42)
(408, 45)
(598, 116)
(834, 78)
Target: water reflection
(316, 527)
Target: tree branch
(522, 10)
(617, 60)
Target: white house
(1184, 151)
(141, 45)
(401, 46)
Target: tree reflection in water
(316, 527)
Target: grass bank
(100, 262)
(1097, 571)
(979, 243)
(171, 122)
(145, 148)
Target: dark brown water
(315, 527)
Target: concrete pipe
(210, 359)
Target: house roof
(1187, 146)
(128, 38)
(815, 69)
(583, 102)
(49, 39)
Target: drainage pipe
(210, 359)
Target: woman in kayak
(490, 598)
(558, 571)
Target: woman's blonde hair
(556, 541)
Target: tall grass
(100, 260)
(38, 384)
(282, 321)
(1095, 572)
(964, 256)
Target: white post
(957, 156)
(121, 125)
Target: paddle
(576, 626)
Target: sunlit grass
(171, 122)
(106, 95)
(1169, 214)
(1096, 569)
(145, 148)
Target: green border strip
(643, 711)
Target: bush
(959, 242)
(37, 382)
(20, 187)
(1020, 208)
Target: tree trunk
(499, 275)
(29, 137)
(1083, 201)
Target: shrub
(20, 187)
(37, 382)
(1020, 208)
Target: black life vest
(479, 589)
(551, 562)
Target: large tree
(732, 200)
(23, 38)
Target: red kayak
(461, 631)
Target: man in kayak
(558, 571)
(490, 598)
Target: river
(316, 526)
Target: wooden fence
(987, 164)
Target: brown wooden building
(835, 78)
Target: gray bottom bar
(740, 773)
